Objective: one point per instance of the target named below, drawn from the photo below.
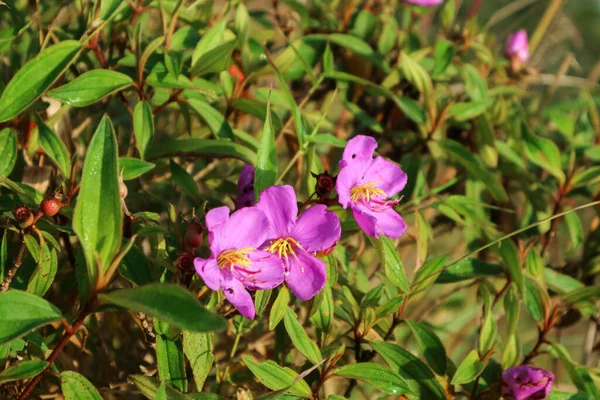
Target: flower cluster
(261, 245)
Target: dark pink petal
(237, 295)
(386, 175)
(209, 272)
(365, 220)
(384, 221)
(351, 175)
(216, 216)
(279, 205)
(317, 229)
(518, 46)
(360, 147)
(267, 271)
(306, 275)
(246, 228)
(424, 3)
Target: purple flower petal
(386, 222)
(388, 176)
(216, 216)
(246, 228)
(268, 271)
(350, 176)
(306, 275)
(365, 220)
(209, 272)
(517, 46)
(237, 295)
(360, 147)
(279, 205)
(317, 229)
(526, 383)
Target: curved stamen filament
(230, 258)
(365, 192)
(283, 247)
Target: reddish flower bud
(51, 205)
(236, 72)
(122, 189)
(24, 216)
(193, 236)
(325, 184)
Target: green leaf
(586, 177)
(42, 277)
(469, 268)
(443, 54)
(215, 60)
(207, 148)
(213, 119)
(135, 267)
(427, 274)
(431, 346)
(143, 127)
(132, 168)
(261, 300)
(469, 369)
(197, 349)
(417, 75)
(150, 387)
(23, 370)
(31, 81)
(509, 253)
(394, 268)
(382, 378)
(91, 87)
(468, 110)
(389, 36)
(162, 392)
(533, 300)
(475, 84)
(3, 254)
(8, 149)
(184, 180)
(22, 312)
(357, 46)
(54, 147)
(543, 153)
(76, 387)
(279, 307)
(107, 8)
(170, 362)
(575, 229)
(556, 395)
(560, 351)
(169, 303)
(241, 23)
(266, 159)
(213, 38)
(300, 338)
(98, 218)
(415, 373)
(278, 378)
(323, 318)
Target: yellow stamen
(365, 192)
(283, 247)
(230, 258)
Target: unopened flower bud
(325, 184)
(193, 236)
(24, 216)
(517, 47)
(51, 205)
(526, 383)
(122, 188)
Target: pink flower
(365, 184)
(526, 383)
(517, 47)
(425, 3)
(295, 240)
(245, 189)
(236, 264)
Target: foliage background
(488, 151)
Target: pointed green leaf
(76, 387)
(431, 346)
(300, 338)
(143, 127)
(279, 307)
(8, 149)
(377, 375)
(213, 119)
(170, 362)
(277, 378)
(23, 370)
(91, 87)
(266, 159)
(197, 349)
(54, 147)
(469, 369)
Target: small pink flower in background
(236, 264)
(426, 3)
(295, 239)
(245, 189)
(365, 184)
(526, 383)
(517, 47)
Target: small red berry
(51, 206)
(193, 236)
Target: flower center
(283, 247)
(230, 258)
(365, 192)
